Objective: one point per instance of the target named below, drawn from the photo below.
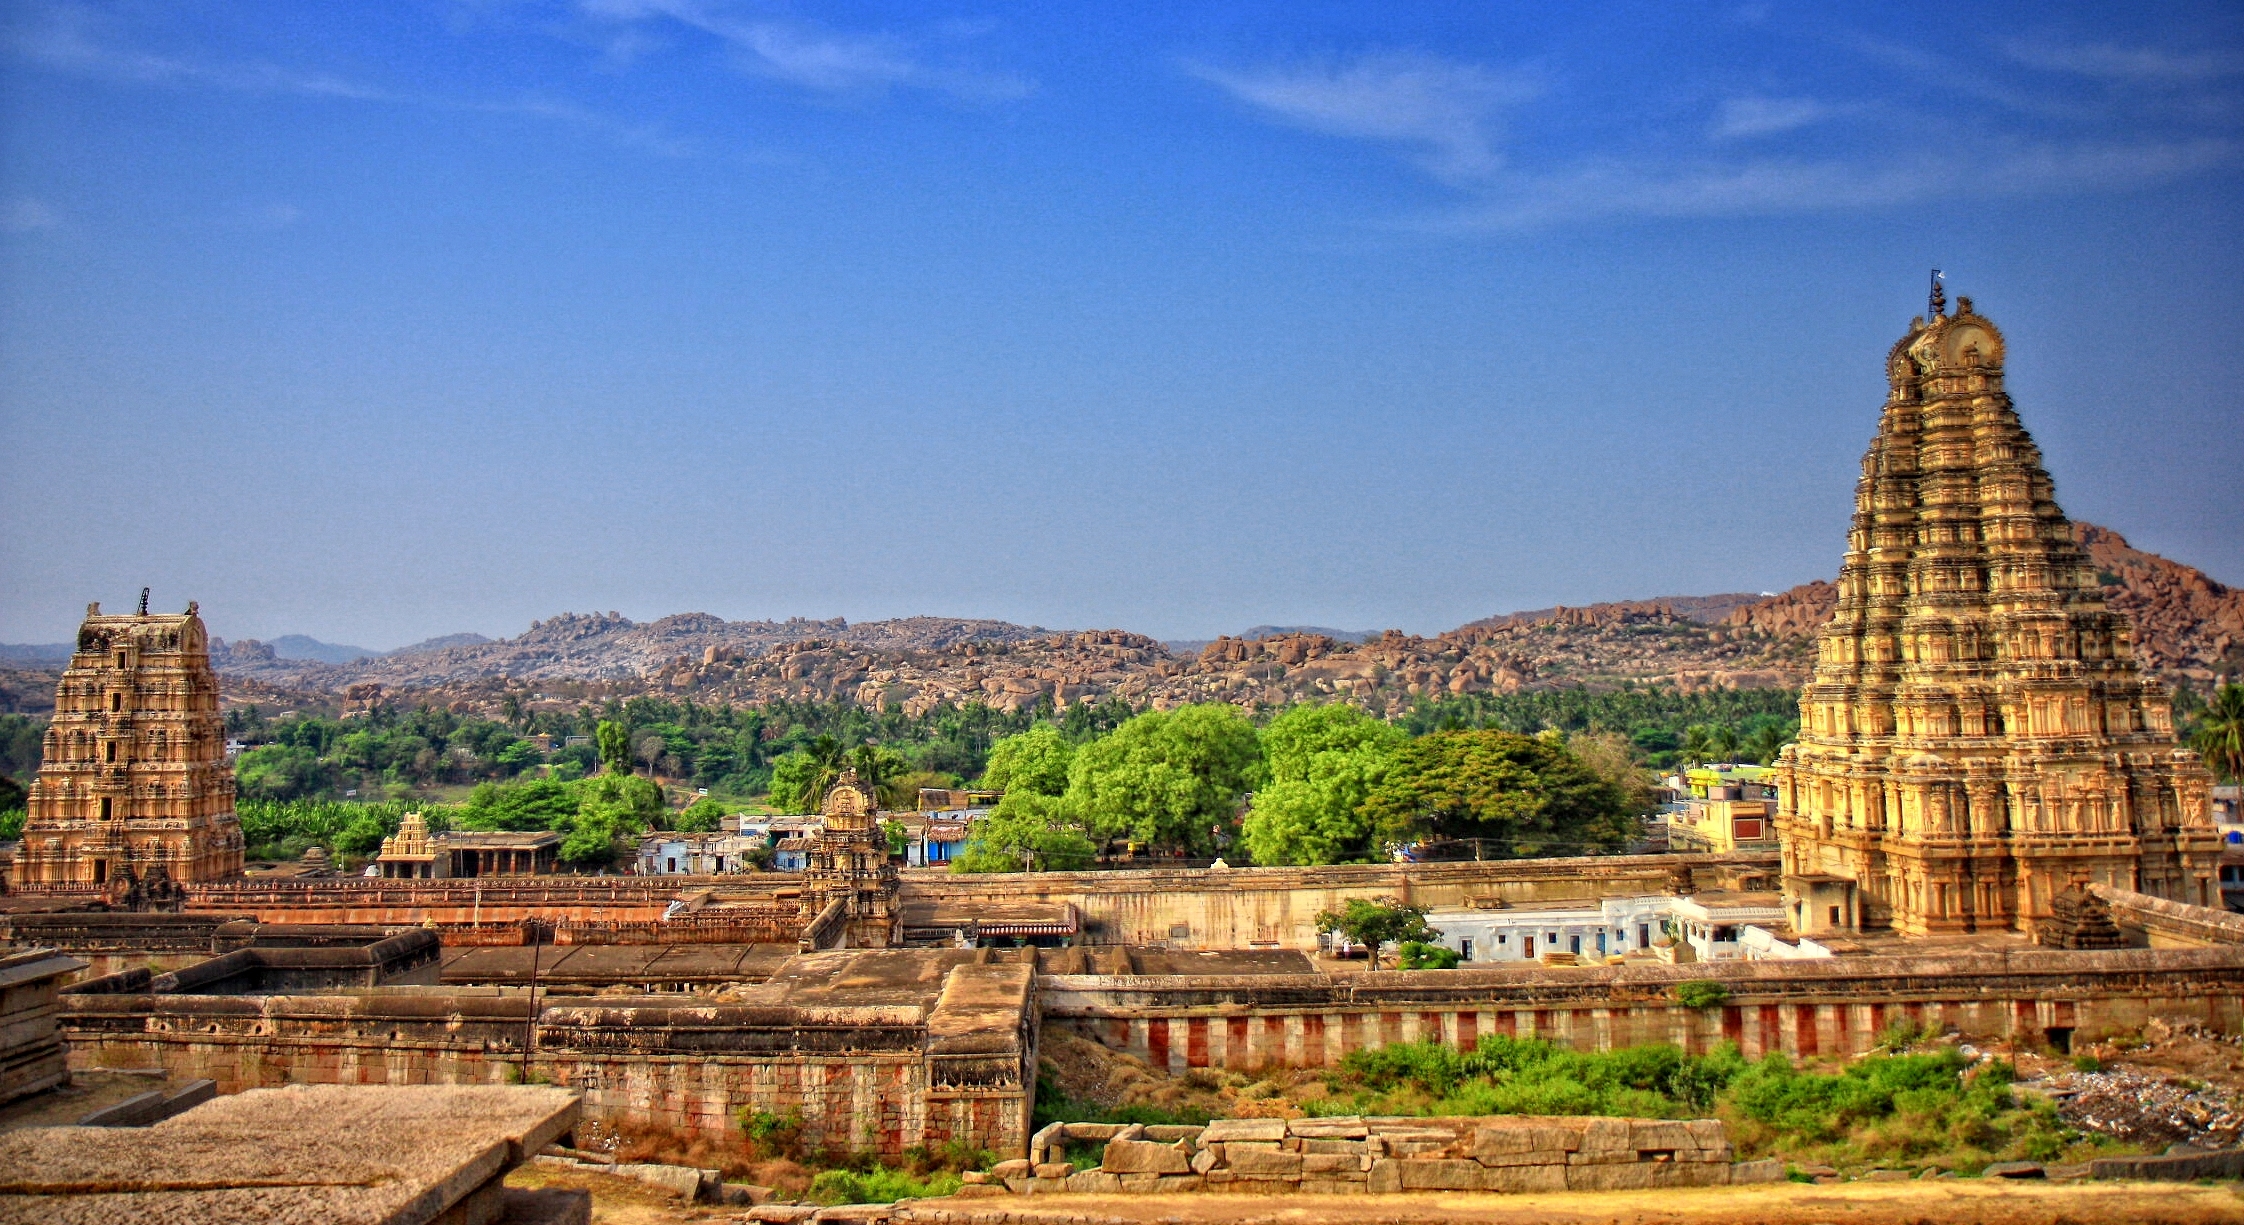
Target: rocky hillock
(2187, 626)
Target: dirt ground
(618, 1201)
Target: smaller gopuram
(134, 785)
(1977, 739)
(849, 865)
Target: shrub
(1418, 955)
(773, 1135)
(1701, 993)
(2087, 1063)
(878, 1185)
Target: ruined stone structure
(1977, 736)
(850, 887)
(135, 786)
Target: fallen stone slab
(1223, 1131)
(2013, 1169)
(1145, 1157)
(1769, 1170)
(2226, 1164)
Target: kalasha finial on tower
(1939, 296)
(144, 601)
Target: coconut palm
(2220, 732)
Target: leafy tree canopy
(1172, 777)
(1027, 830)
(1324, 762)
(1527, 794)
(1378, 922)
(1035, 761)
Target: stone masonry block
(1171, 1184)
(1094, 1182)
(1516, 1179)
(1441, 1174)
(1602, 1133)
(1708, 1132)
(1226, 1130)
(1691, 1174)
(1246, 1161)
(1329, 1163)
(1092, 1131)
(1330, 1186)
(1354, 1148)
(1633, 1177)
(1489, 1141)
(1205, 1160)
(1661, 1135)
(1385, 1177)
(1016, 1168)
(1770, 1170)
(1548, 1156)
(1053, 1169)
(1342, 1128)
(1170, 1133)
(1145, 1157)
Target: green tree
(1378, 922)
(1167, 777)
(1419, 955)
(615, 747)
(530, 805)
(1036, 762)
(2219, 738)
(1026, 832)
(1527, 794)
(700, 817)
(1323, 763)
(1612, 757)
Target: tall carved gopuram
(134, 784)
(850, 865)
(1976, 737)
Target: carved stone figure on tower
(1976, 736)
(850, 866)
(134, 783)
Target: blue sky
(375, 322)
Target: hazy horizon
(379, 323)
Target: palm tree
(827, 754)
(2219, 738)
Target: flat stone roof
(600, 965)
(328, 1153)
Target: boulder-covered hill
(2188, 627)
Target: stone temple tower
(850, 866)
(135, 786)
(1976, 738)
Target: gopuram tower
(1977, 738)
(849, 868)
(134, 787)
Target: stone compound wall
(1341, 1156)
(881, 1078)
(1824, 1007)
(1277, 907)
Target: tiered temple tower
(850, 864)
(1976, 737)
(134, 786)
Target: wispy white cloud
(1474, 128)
(1772, 186)
(1447, 113)
(25, 215)
(69, 39)
(2131, 65)
(819, 59)
(1751, 116)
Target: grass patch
(879, 1184)
(1889, 1108)
(1053, 1105)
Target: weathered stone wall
(1825, 1007)
(2164, 924)
(1277, 907)
(882, 1078)
(1354, 1156)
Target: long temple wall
(1277, 907)
(1802, 1008)
(883, 1078)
